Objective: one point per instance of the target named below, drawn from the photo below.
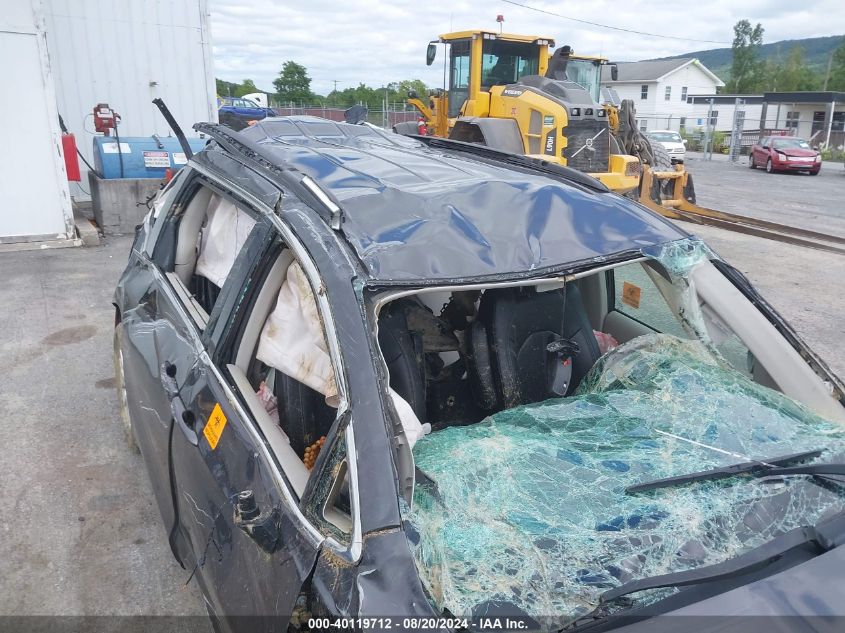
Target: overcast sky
(376, 42)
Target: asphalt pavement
(80, 532)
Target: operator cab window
(458, 76)
(505, 62)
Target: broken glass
(529, 507)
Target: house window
(643, 125)
(714, 118)
(792, 120)
(684, 94)
(644, 91)
(668, 96)
(683, 125)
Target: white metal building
(721, 109)
(660, 89)
(34, 198)
(71, 55)
(816, 116)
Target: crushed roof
(414, 213)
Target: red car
(785, 153)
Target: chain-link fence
(383, 118)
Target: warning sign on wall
(156, 159)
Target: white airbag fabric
(410, 422)
(292, 342)
(223, 237)
(292, 339)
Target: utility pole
(827, 73)
(335, 85)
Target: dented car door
(154, 337)
(248, 549)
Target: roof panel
(644, 71)
(414, 213)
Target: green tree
(293, 84)
(373, 98)
(793, 74)
(247, 87)
(836, 79)
(226, 88)
(747, 72)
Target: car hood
(672, 146)
(530, 506)
(797, 151)
(807, 594)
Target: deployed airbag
(292, 341)
(223, 236)
(529, 507)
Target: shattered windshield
(531, 509)
(527, 509)
(790, 143)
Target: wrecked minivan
(416, 384)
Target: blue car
(235, 112)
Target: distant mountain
(817, 51)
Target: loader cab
(479, 60)
(586, 72)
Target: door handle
(183, 416)
(167, 374)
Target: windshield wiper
(761, 466)
(808, 469)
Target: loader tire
(662, 159)
(662, 162)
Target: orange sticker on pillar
(631, 294)
(214, 427)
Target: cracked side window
(636, 297)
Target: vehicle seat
(510, 363)
(403, 354)
(303, 413)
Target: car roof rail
(547, 168)
(278, 171)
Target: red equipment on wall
(71, 157)
(105, 119)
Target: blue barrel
(143, 156)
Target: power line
(613, 28)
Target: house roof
(654, 70)
(418, 213)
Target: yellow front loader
(509, 92)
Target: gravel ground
(79, 529)
(806, 286)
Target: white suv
(672, 141)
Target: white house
(660, 89)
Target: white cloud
(376, 42)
